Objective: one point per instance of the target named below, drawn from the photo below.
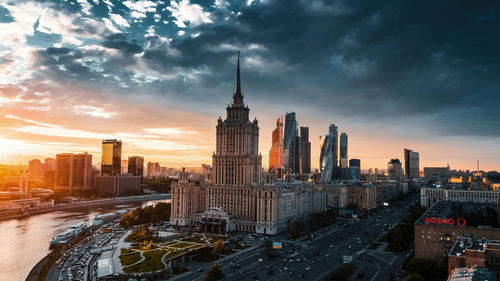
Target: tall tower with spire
(236, 160)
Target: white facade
(429, 196)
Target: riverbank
(15, 214)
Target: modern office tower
(328, 155)
(121, 184)
(36, 169)
(294, 156)
(49, 174)
(136, 165)
(153, 169)
(412, 169)
(394, 169)
(73, 171)
(291, 133)
(236, 161)
(276, 152)
(305, 151)
(111, 157)
(343, 150)
(355, 163)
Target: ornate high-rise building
(236, 198)
(236, 160)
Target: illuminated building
(394, 170)
(411, 164)
(136, 165)
(276, 152)
(35, 169)
(153, 169)
(305, 151)
(73, 171)
(111, 157)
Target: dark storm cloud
(119, 41)
(376, 58)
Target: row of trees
(149, 214)
(315, 222)
(159, 184)
(426, 270)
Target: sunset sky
(423, 75)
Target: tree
(268, 248)
(344, 272)
(214, 273)
(430, 270)
(219, 247)
(414, 277)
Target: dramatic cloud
(390, 73)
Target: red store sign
(449, 221)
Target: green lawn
(151, 263)
(129, 258)
(181, 245)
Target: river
(24, 242)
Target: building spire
(238, 97)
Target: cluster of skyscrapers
(290, 152)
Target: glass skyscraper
(290, 161)
(111, 157)
(329, 155)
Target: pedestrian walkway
(117, 265)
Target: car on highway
(301, 276)
(308, 268)
(200, 269)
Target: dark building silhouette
(305, 151)
(136, 165)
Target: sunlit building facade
(276, 152)
(73, 171)
(111, 157)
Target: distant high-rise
(153, 169)
(73, 171)
(111, 157)
(289, 141)
(136, 165)
(49, 164)
(343, 150)
(305, 151)
(329, 155)
(412, 169)
(355, 163)
(394, 169)
(36, 169)
(276, 152)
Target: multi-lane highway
(316, 259)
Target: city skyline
(156, 87)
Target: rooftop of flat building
(460, 214)
(472, 274)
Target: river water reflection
(24, 242)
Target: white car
(308, 268)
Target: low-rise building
(121, 184)
(430, 195)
